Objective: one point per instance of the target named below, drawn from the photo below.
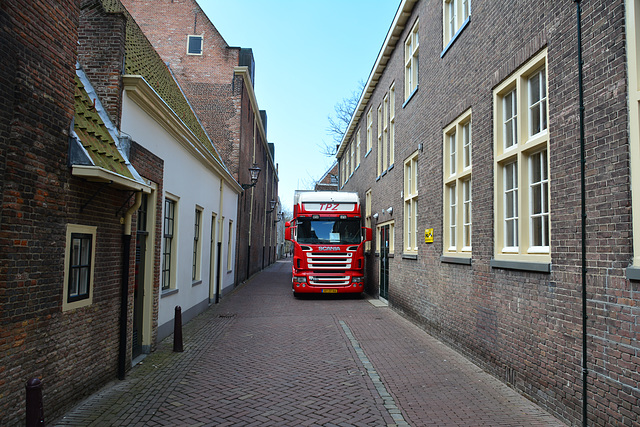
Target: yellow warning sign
(428, 235)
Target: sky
(309, 56)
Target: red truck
(328, 242)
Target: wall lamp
(272, 204)
(280, 216)
(255, 172)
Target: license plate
(329, 291)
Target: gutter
(585, 370)
(124, 285)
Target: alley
(262, 357)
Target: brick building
(219, 80)
(87, 283)
(329, 181)
(465, 146)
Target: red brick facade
(523, 326)
(74, 352)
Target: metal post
(35, 408)
(177, 330)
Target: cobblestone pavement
(263, 358)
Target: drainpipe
(585, 371)
(124, 286)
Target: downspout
(124, 294)
(219, 245)
(585, 371)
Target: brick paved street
(263, 358)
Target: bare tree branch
(339, 121)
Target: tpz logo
(329, 248)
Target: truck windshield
(329, 230)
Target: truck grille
(329, 280)
(329, 261)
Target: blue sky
(309, 56)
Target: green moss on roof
(143, 60)
(94, 136)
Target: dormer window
(194, 45)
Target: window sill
(633, 273)
(411, 96)
(540, 267)
(168, 292)
(410, 256)
(196, 282)
(455, 36)
(455, 260)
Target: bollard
(35, 409)
(177, 330)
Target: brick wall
(38, 43)
(523, 327)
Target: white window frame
(411, 62)
(369, 132)
(457, 170)
(455, 16)
(410, 244)
(168, 274)
(513, 166)
(194, 36)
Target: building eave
(146, 98)
(393, 35)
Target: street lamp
(272, 204)
(255, 172)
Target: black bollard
(177, 330)
(35, 408)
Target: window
(367, 217)
(347, 166)
(380, 149)
(197, 232)
(385, 133)
(455, 17)
(358, 149)
(369, 131)
(391, 231)
(229, 247)
(353, 157)
(633, 65)
(392, 124)
(168, 251)
(194, 45)
(411, 205)
(79, 266)
(457, 186)
(411, 62)
(522, 164)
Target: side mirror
(287, 231)
(368, 234)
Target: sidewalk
(263, 358)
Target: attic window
(194, 45)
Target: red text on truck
(328, 242)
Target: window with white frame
(353, 157)
(194, 45)
(380, 148)
(457, 186)
(197, 245)
(358, 151)
(411, 62)
(455, 16)
(169, 242)
(369, 131)
(411, 205)
(521, 146)
(392, 124)
(79, 265)
(391, 225)
(385, 133)
(367, 217)
(230, 246)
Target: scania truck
(328, 242)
